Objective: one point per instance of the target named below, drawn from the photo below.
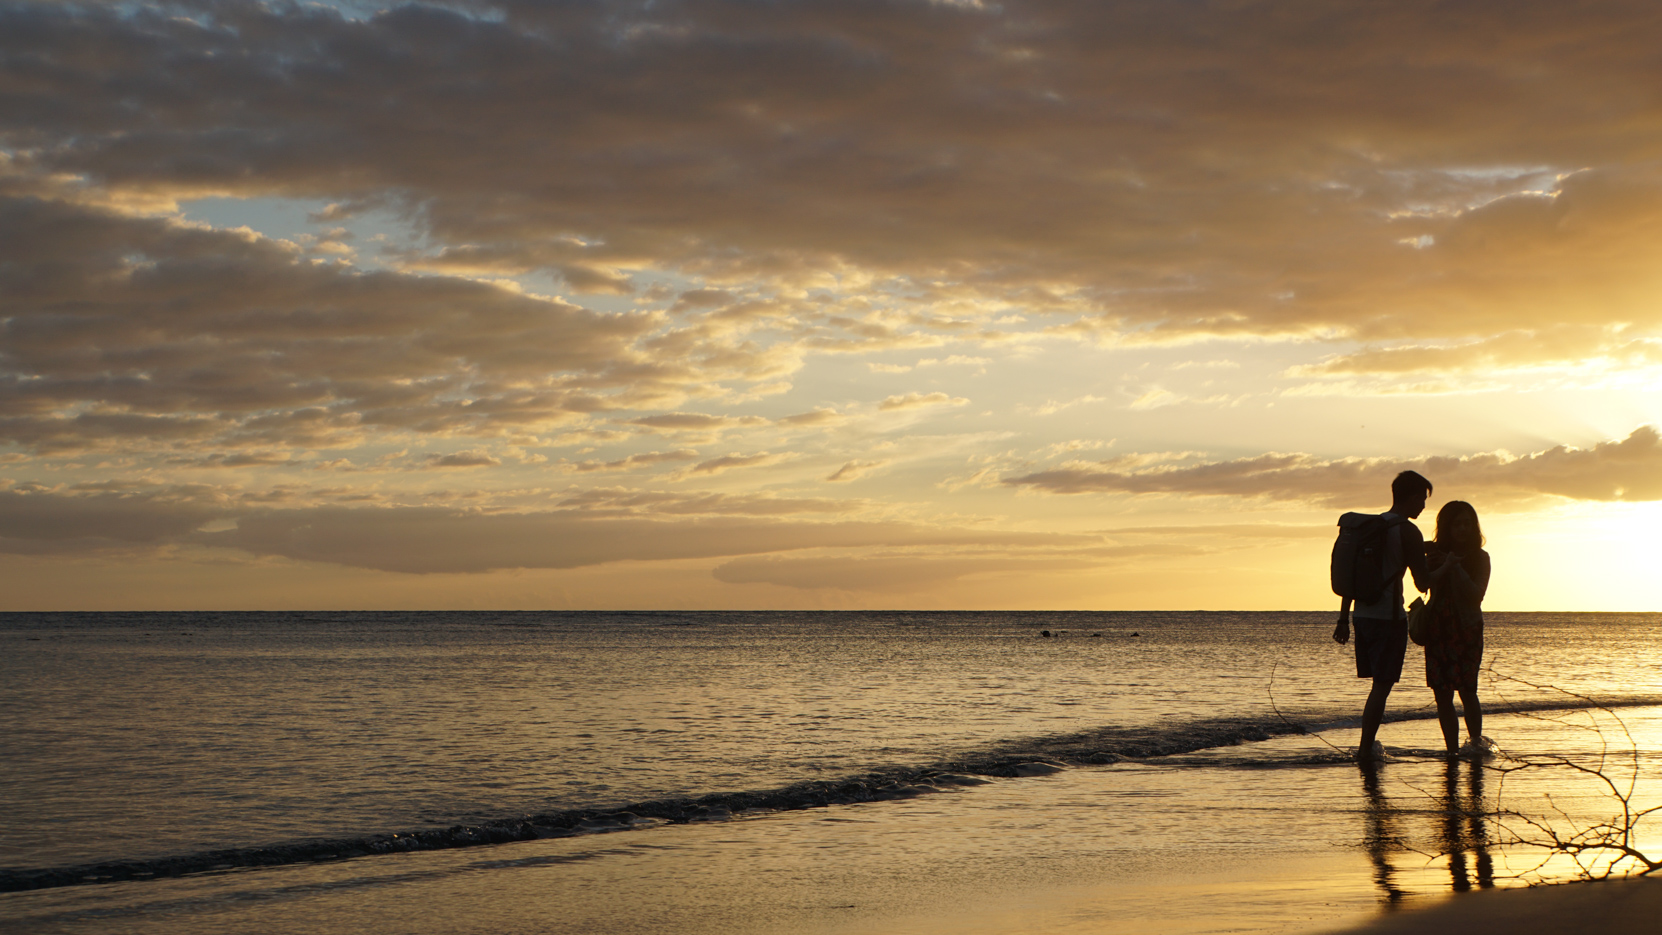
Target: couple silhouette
(1455, 569)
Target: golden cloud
(1625, 470)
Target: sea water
(147, 736)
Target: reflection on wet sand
(1465, 828)
(1380, 836)
(1462, 835)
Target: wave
(1023, 757)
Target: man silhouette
(1382, 626)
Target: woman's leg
(1447, 718)
(1473, 711)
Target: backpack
(1359, 557)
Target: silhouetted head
(1408, 493)
(1457, 527)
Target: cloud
(692, 421)
(589, 279)
(919, 400)
(120, 328)
(1156, 398)
(1558, 347)
(822, 416)
(957, 360)
(428, 540)
(1052, 407)
(1626, 470)
(53, 433)
(644, 459)
(96, 520)
(854, 470)
(241, 459)
(625, 500)
(729, 462)
(702, 298)
(463, 459)
(1160, 170)
(1075, 444)
(590, 528)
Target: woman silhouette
(1454, 647)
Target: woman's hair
(1452, 510)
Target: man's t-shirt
(1404, 551)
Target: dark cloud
(69, 433)
(97, 519)
(1168, 168)
(591, 528)
(812, 417)
(423, 540)
(239, 459)
(693, 421)
(463, 459)
(146, 328)
(1626, 470)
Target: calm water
(143, 735)
(128, 736)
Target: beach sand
(1610, 907)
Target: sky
(744, 304)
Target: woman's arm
(1468, 578)
(1478, 574)
(1446, 562)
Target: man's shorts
(1380, 646)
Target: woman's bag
(1419, 622)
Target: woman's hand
(1449, 561)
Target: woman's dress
(1454, 645)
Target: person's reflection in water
(1381, 836)
(1478, 822)
(1464, 829)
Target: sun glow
(1582, 556)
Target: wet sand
(1279, 836)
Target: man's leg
(1373, 714)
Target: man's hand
(1341, 630)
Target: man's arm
(1413, 554)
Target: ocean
(200, 771)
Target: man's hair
(1409, 484)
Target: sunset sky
(1031, 304)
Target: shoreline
(1027, 757)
